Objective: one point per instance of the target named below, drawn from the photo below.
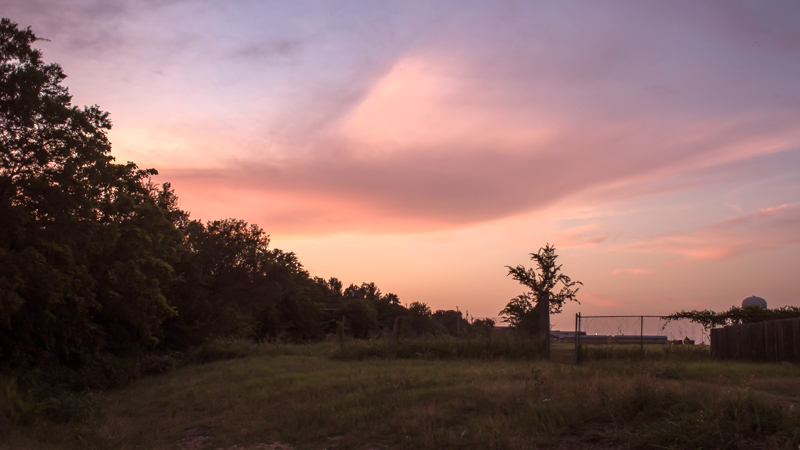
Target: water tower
(754, 301)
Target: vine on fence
(734, 316)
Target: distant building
(754, 301)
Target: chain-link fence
(601, 335)
(639, 329)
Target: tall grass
(425, 395)
(442, 347)
(633, 352)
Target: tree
(446, 321)
(541, 281)
(246, 287)
(734, 316)
(521, 313)
(86, 245)
(482, 327)
(420, 317)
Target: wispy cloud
(598, 300)
(652, 122)
(763, 229)
(438, 116)
(632, 271)
(582, 236)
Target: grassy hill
(315, 397)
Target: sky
(426, 145)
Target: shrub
(220, 349)
(157, 364)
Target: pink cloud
(314, 120)
(766, 228)
(632, 271)
(582, 236)
(599, 300)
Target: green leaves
(88, 247)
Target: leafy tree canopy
(542, 279)
(86, 248)
(736, 315)
(520, 312)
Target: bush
(18, 407)
(220, 349)
(443, 347)
(157, 364)
(738, 420)
(632, 352)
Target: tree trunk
(544, 322)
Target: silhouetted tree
(482, 327)
(85, 244)
(362, 320)
(541, 281)
(419, 318)
(521, 314)
(99, 262)
(446, 321)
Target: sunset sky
(425, 145)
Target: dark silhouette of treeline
(99, 266)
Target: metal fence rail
(641, 330)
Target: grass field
(316, 397)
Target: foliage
(102, 271)
(86, 247)
(544, 278)
(420, 321)
(735, 315)
(105, 277)
(521, 313)
(482, 327)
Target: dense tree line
(99, 262)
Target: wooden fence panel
(796, 339)
(718, 336)
(785, 346)
(770, 341)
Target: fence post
(641, 336)
(577, 328)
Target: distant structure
(754, 301)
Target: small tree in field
(541, 281)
